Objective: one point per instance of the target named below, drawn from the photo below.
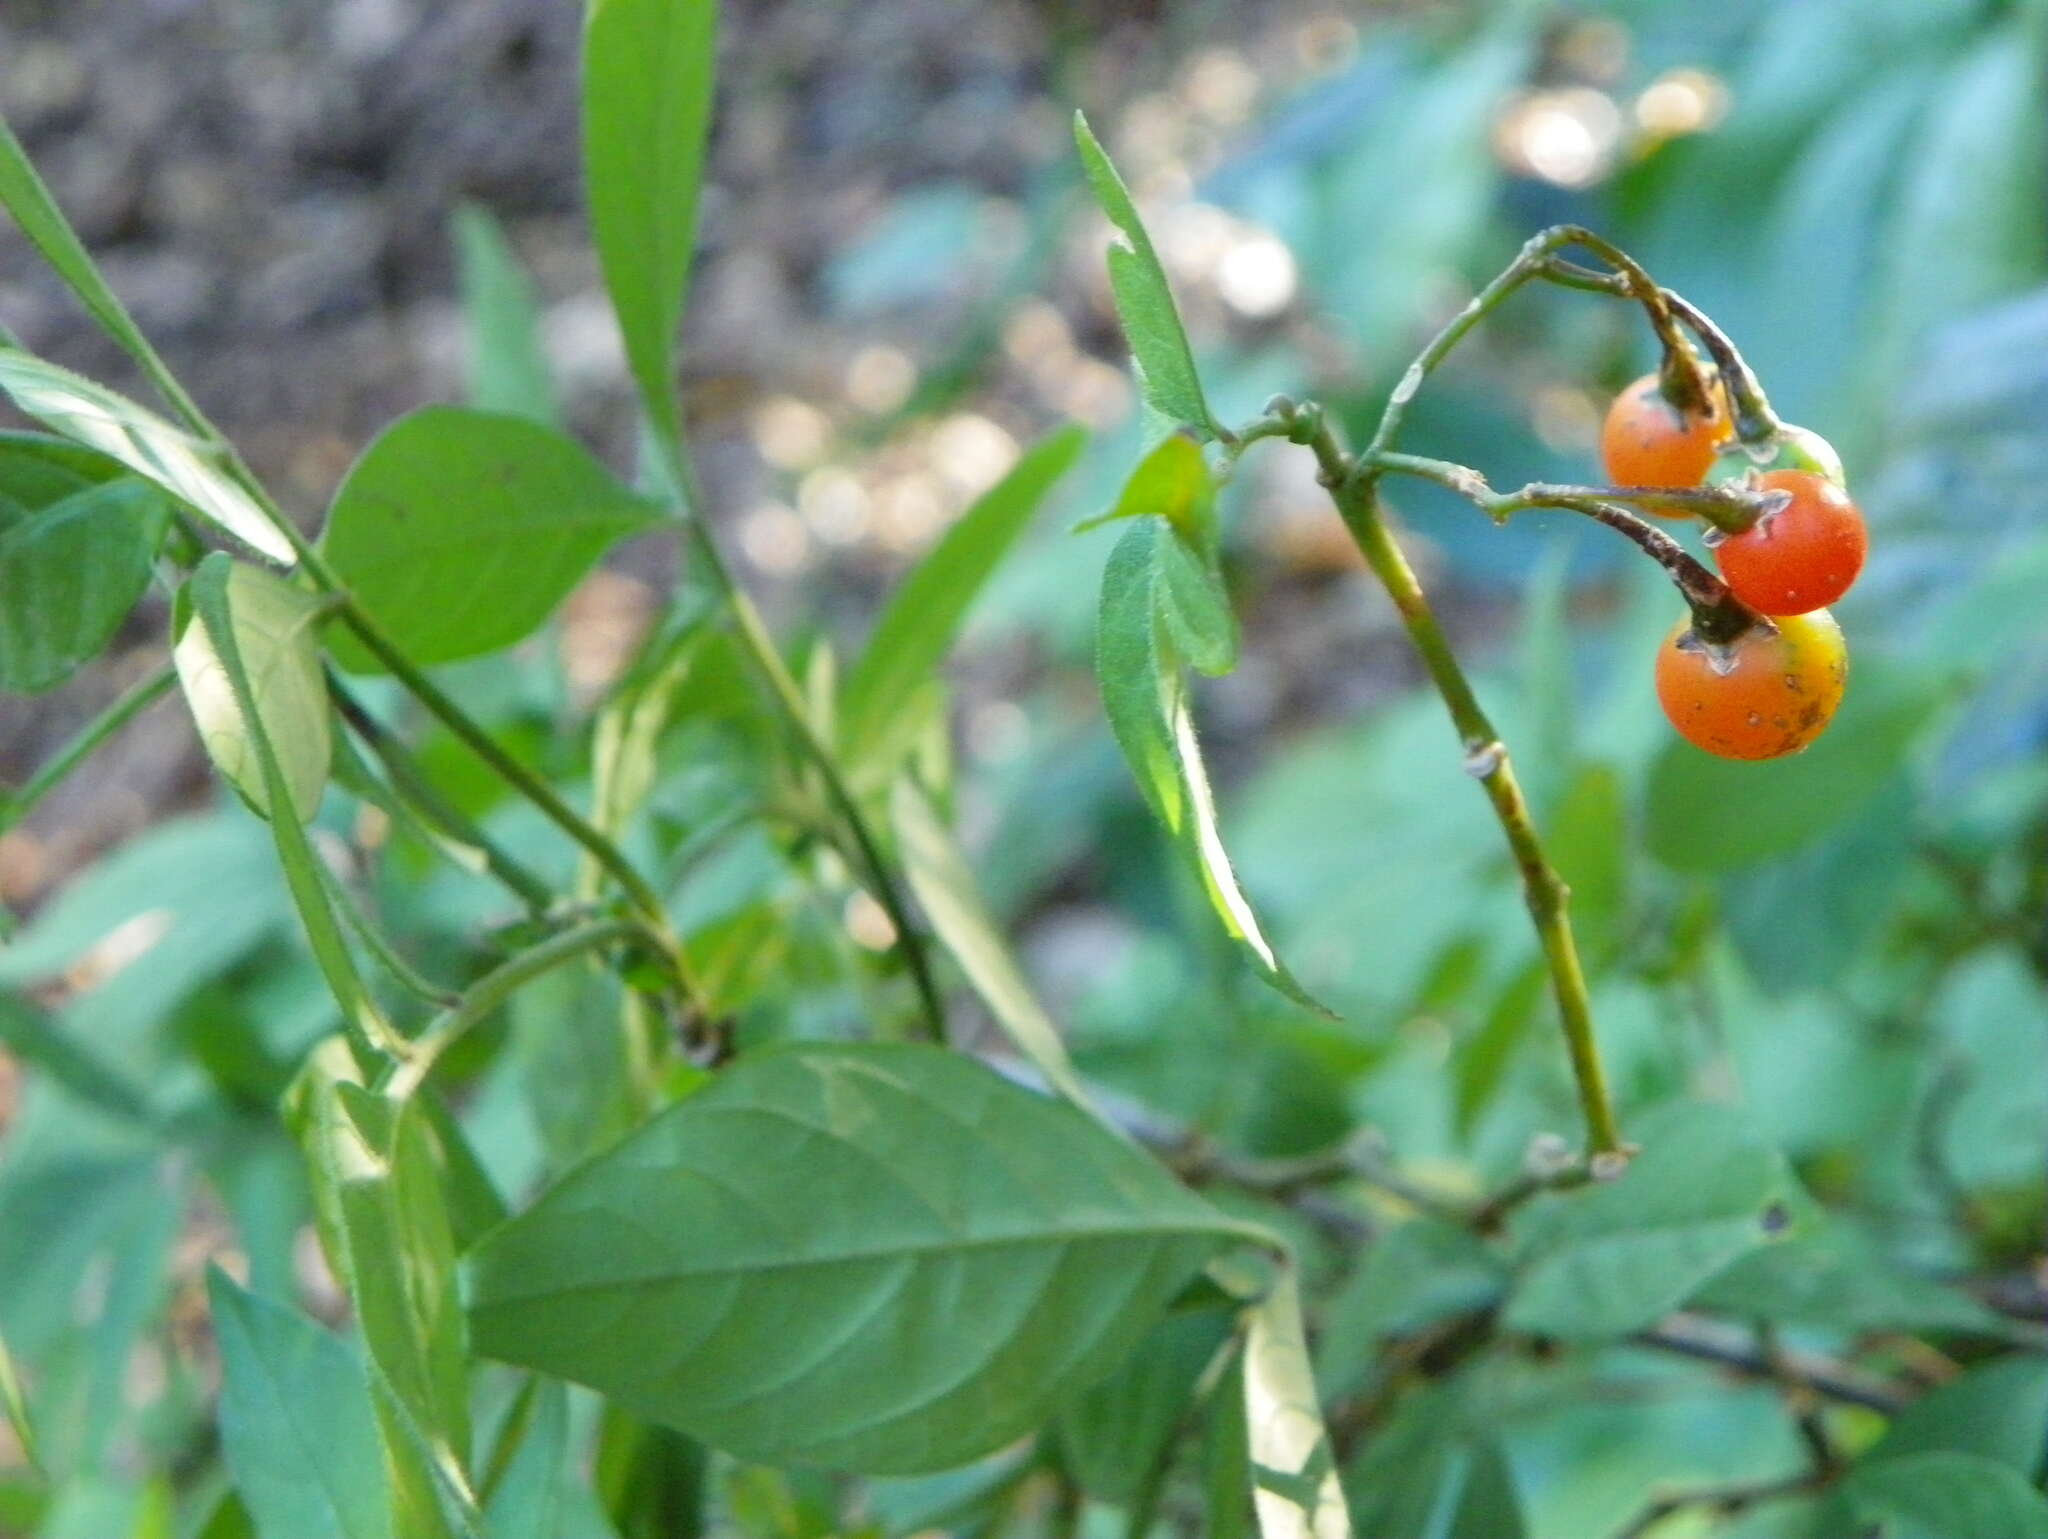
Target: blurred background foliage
(901, 284)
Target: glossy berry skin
(1647, 441)
(1767, 694)
(1802, 557)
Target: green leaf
(917, 630)
(1835, 1278)
(1144, 300)
(1997, 1410)
(77, 544)
(76, 1064)
(295, 1422)
(273, 628)
(647, 96)
(1965, 221)
(650, 1479)
(1226, 1459)
(1172, 480)
(1145, 619)
(883, 1258)
(508, 371)
(1940, 1496)
(1424, 1271)
(459, 531)
(946, 889)
(15, 1405)
(95, 416)
(527, 1502)
(27, 197)
(1710, 815)
(1587, 836)
(1801, 920)
(1295, 1490)
(1609, 1259)
(383, 1223)
(1114, 1437)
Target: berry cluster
(1772, 689)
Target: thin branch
(1729, 1347)
(1725, 1501)
(16, 805)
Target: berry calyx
(1802, 557)
(1768, 693)
(1648, 441)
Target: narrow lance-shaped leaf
(917, 629)
(883, 1258)
(508, 371)
(459, 531)
(27, 197)
(647, 95)
(944, 883)
(95, 416)
(1144, 299)
(78, 538)
(1295, 1492)
(1161, 603)
(295, 1422)
(273, 628)
(15, 1404)
(526, 1502)
(385, 1228)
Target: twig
(1704, 1340)
(15, 805)
(1726, 1501)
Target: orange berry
(1802, 557)
(1768, 693)
(1647, 441)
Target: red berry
(1802, 557)
(1768, 693)
(1647, 441)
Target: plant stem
(15, 805)
(1755, 422)
(1537, 259)
(1717, 614)
(1726, 1501)
(1690, 1336)
(498, 985)
(1486, 760)
(401, 971)
(767, 660)
(425, 801)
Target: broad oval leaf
(1609, 1259)
(78, 536)
(647, 93)
(917, 629)
(1147, 622)
(95, 416)
(1144, 299)
(1115, 1437)
(459, 531)
(1939, 1496)
(295, 1422)
(883, 1258)
(273, 633)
